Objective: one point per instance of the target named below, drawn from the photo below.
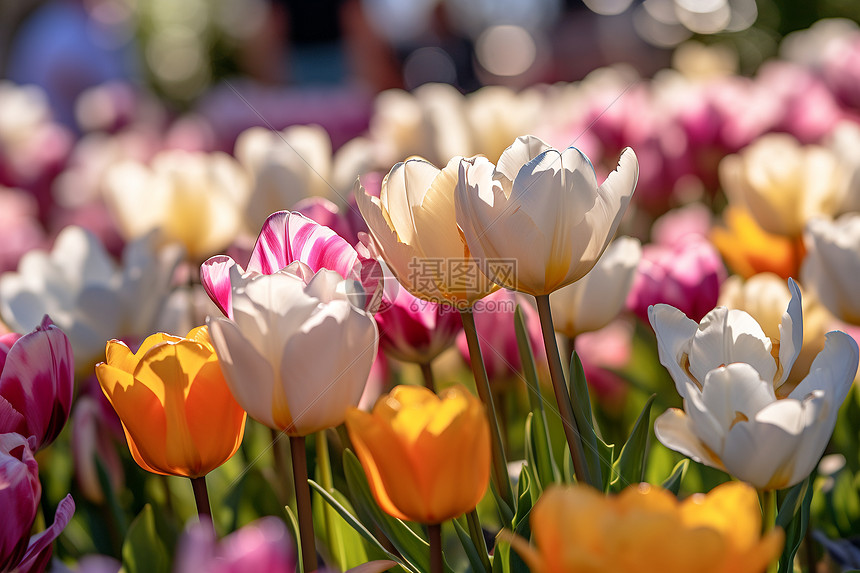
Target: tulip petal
(790, 333)
(319, 391)
(386, 463)
(833, 370)
(215, 277)
(289, 236)
(676, 431)
(725, 336)
(247, 372)
(674, 334)
(38, 554)
(403, 190)
(521, 151)
(10, 419)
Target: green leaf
(526, 497)
(414, 549)
(353, 522)
(630, 466)
(793, 517)
(143, 551)
(472, 552)
(342, 543)
(537, 438)
(297, 537)
(598, 466)
(673, 482)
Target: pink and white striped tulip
(286, 237)
(37, 382)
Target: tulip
(195, 199)
(296, 356)
(784, 184)
(832, 265)
(595, 300)
(498, 114)
(86, 294)
(748, 249)
(729, 373)
(646, 529)
(427, 457)
(765, 296)
(37, 381)
(177, 411)
(413, 227)
(20, 492)
(20, 230)
(543, 209)
(263, 545)
(415, 330)
(286, 237)
(686, 275)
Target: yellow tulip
(178, 414)
(748, 249)
(427, 457)
(646, 529)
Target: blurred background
(329, 57)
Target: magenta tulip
(264, 545)
(494, 320)
(19, 496)
(37, 381)
(686, 275)
(416, 330)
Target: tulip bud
(37, 380)
(427, 457)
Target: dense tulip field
(607, 326)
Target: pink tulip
(494, 321)
(40, 547)
(264, 545)
(20, 230)
(686, 275)
(37, 381)
(415, 330)
(94, 428)
(286, 237)
(19, 496)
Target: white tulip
(194, 199)
(729, 372)
(832, 265)
(595, 300)
(296, 356)
(86, 294)
(543, 208)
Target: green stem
(559, 386)
(434, 532)
(280, 464)
(482, 383)
(768, 509)
(324, 465)
(429, 380)
(477, 535)
(201, 498)
(303, 503)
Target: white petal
(521, 151)
(726, 336)
(833, 370)
(248, 374)
(790, 332)
(675, 430)
(674, 335)
(403, 189)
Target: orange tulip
(646, 529)
(178, 414)
(427, 457)
(748, 249)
